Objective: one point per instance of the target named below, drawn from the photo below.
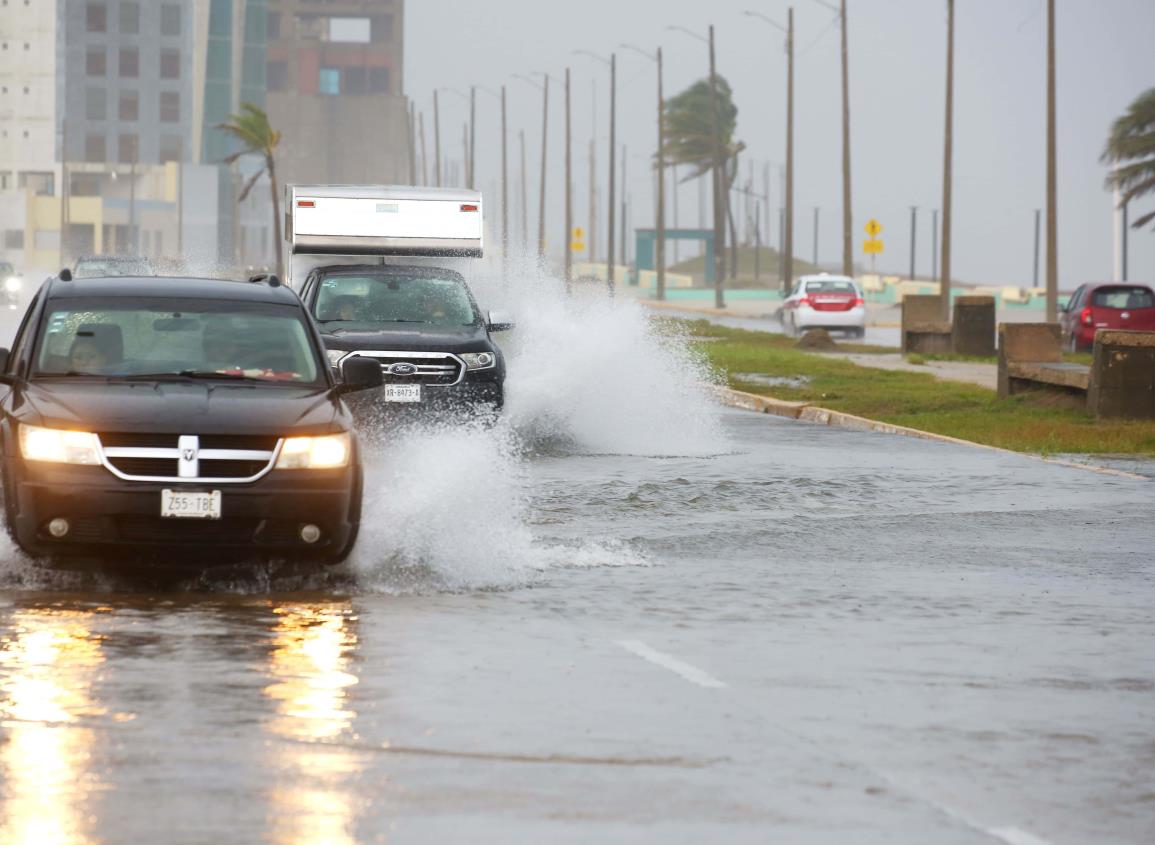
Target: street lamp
(847, 222)
(544, 86)
(720, 195)
(788, 237)
(612, 61)
(660, 224)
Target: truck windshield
(228, 340)
(371, 299)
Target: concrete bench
(923, 329)
(1119, 383)
(973, 330)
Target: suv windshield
(190, 338)
(367, 300)
(103, 267)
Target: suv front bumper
(112, 518)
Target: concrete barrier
(1031, 359)
(923, 330)
(1123, 375)
(973, 330)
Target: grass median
(770, 365)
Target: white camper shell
(383, 220)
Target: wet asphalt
(807, 635)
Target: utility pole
(1038, 235)
(934, 245)
(424, 155)
(1052, 199)
(472, 136)
(613, 163)
(504, 184)
(660, 211)
(948, 139)
(913, 237)
(789, 280)
(719, 190)
(524, 197)
(436, 141)
(815, 262)
(847, 210)
(544, 150)
(411, 137)
(568, 188)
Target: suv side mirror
(499, 321)
(358, 373)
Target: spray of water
(447, 506)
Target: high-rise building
(335, 90)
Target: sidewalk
(970, 372)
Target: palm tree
(1131, 149)
(251, 127)
(690, 135)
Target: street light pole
(948, 140)
(660, 211)
(544, 150)
(913, 236)
(1052, 199)
(568, 188)
(436, 141)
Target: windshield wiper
(186, 374)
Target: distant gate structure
(646, 241)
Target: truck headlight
(335, 356)
(12, 284)
(328, 452)
(479, 360)
(56, 446)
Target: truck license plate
(402, 393)
(182, 504)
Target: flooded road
(813, 634)
(621, 615)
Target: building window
(95, 104)
(350, 30)
(95, 62)
(273, 26)
(171, 148)
(170, 107)
(329, 81)
(379, 80)
(169, 19)
(42, 183)
(278, 76)
(84, 184)
(382, 28)
(14, 239)
(130, 18)
(94, 148)
(127, 152)
(129, 62)
(96, 17)
(129, 106)
(354, 80)
(169, 63)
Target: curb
(805, 412)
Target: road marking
(691, 673)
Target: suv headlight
(328, 452)
(335, 356)
(12, 284)
(479, 360)
(56, 446)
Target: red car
(1106, 305)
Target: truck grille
(428, 368)
(186, 458)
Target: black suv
(188, 422)
(421, 324)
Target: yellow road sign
(578, 246)
(874, 229)
(872, 247)
(579, 234)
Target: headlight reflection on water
(47, 666)
(310, 677)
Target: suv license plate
(182, 504)
(402, 393)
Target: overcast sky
(897, 64)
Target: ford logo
(403, 369)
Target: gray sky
(897, 64)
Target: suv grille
(188, 458)
(429, 368)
